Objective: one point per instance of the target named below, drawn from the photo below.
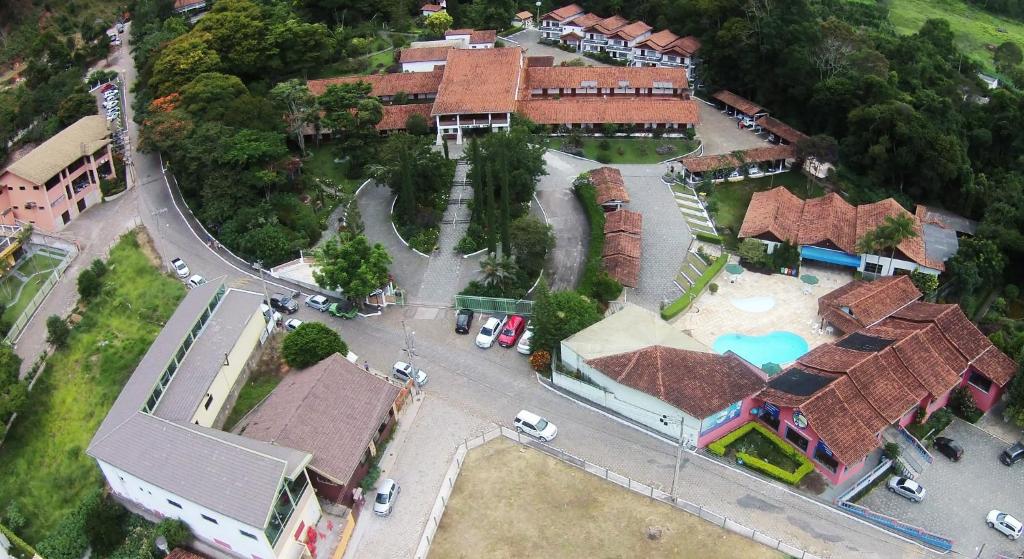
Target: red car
(513, 329)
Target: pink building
(58, 180)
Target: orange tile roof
(585, 20)
(563, 12)
(539, 62)
(660, 40)
(479, 81)
(870, 302)
(623, 269)
(632, 31)
(567, 77)
(524, 15)
(609, 25)
(609, 185)
(781, 129)
(623, 221)
(688, 45)
(775, 212)
(610, 110)
(395, 116)
(431, 8)
(487, 36)
(702, 163)
(745, 106)
(870, 216)
(463, 31)
(424, 54)
(621, 243)
(829, 221)
(385, 85)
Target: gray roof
(206, 356)
(630, 329)
(84, 137)
(941, 229)
(332, 410)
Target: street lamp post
(410, 350)
(666, 420)
(266, 296)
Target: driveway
(960, 494)
(528, 39)
(565, 214)
(719, 133)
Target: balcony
(474, 122)
(647, 57)
(81, 183)
(595, 41)
(619, 48)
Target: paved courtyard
(719, 133)
(528, 39)
(960, 494)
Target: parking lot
(960, 494)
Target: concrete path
(720, 134)
(565, 215)
(447, 271)
(528, 39)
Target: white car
(906, 487)
(404, 371)
(270, 314)
(535, 426)
(384, 502)
(524, 342)
(292, 324)
(318, 302)
(1004, 523)
(180, 268)
(196, 280)
(490, 331)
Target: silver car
(384, 502)
(905, 487)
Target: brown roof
(424, 54)
(563, 12)
(870, 216)
(384, 85)
(623, 269)
(702, 163)
(483, 36)
(585, 20)
(181, 553)
(395, 116)
(687, 45)
(539, 62)
(331, 410)
(479, 81)
(843, 419)
(775, 212)
(463, 31)
(611, 110)
(632, 31)
(623, 221)
(609, 25)
(698, 383)
(870, 302)
(781, 129)
(432, 8)
(828, 220)
(524, 15)
(660, 40)
(742, 105)
(609, 186)
(621, 243)
(570, 77)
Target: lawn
(510, 501)
(630, 150)
(265, 376)
(45, 469)
(380, 61)
(9, 285)
(728, 201)
(321, 164)
(756, 444)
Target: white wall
(427, 66)
(156, 499)
(890, 265)
(308, 512)
(226, 378)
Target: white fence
(448, 485)
(70, 252)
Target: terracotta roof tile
(454, 32)
(181, 553)
(775, 212)
(925, 364)
(996, 365)
(884, 391)
(611, 110)
(483, 36)
(385, 85)
(688, 45)
(621, 243)
(424, 54)
(479, 81)
(611, 77)
(623, 221)
(839, 422)
(870, 302)
(585, 20)
(632, 31)
(839, 320)
(745, 106)
(609, 25)
(524, 15)
(563, 12)
(961, 332)
(432, 8)
(608, 183)
(829, 221)
(701, 163)
(698, 383)
(539, 62)
(395, 116)
(859, 405)
(781, 129)
(870, 216)
(832, 358)
(624, 269)
(660, 40)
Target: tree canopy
(351, 265)
(310, 343)
(558, 315)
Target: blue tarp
(830, 256)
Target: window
(35, 188)
(208, 519)
(822, 457)
(980, 382)
(796, 438)
(247, 534)
(872, 268)
(173, 504)
(209, 400)
(21, 188)
(770, 419)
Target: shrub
(665, 149)
(13, 517)
(604, 158)
(540, 361)
(621, 151)
(89, 284)
(426, 240)
(926, 283)
(57, 331)
(99, 268)
(708, 237)
(176, 532)
(104, 527)
(891, 451)
(713, 287)
(311, 343)
(372, 475)
(1011, 291)
(588, 285)
(720, 446)
(606, 288)
(467, 245)
(963, 405)
(604, 145)
(683, 302)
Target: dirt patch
(148, 248)
(512, 501)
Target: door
(81, 205)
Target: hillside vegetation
(22, 22)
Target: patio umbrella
(809, 279)
(734, 269)
(771, 368)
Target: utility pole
(410, 350)
(665, 420)
(266, 297)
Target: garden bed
(628, 150)
(756, 447)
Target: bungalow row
(827, 229)
(736, 166)
(620, 258)
(752, 116)
(633, 42)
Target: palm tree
(497, 271)
(888, 235)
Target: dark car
(949, 448)
(283, 303)
(463, 321)
(1013, 454)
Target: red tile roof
(870, 216)
(585, 20)
(610, 110)
(563, 12)
(385, 85)
(524, 15)
(431, 8)
(181, 553)
(609, 25)
(698, 383)
(632, 31)
(660, 40)
(621, 243)
(781, 129)
(688, 45)
(479, 81)
(484, 36)
(870, 302)
(395, 116)
(623, 269)
(539, 62)
(570, 77)
(623, 221)
(835, 413)
(463, 31)
(742, 105)
(424, 54)
(609, 185)
(828, 220)
(775, 212)
(702, 163)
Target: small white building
(473, 38)
(423, 59)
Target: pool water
(776, 347)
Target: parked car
(404, 371)
(463, 321)
(1012, 455)
(535, 426)
(384, 503)
(270, 314)
(196, 280)
(292, 324)
(343, 309)
(113, 116)
(110, 94)
(489, 331)
(180, 268)
(524, 342)
(905, 487)
(514, 327)
(1004, 523)
(318, 302)
(949, 448)
(283, 303)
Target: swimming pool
(775, 347)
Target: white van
(535, 426)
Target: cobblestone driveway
(960, 494)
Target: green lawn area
(380, 61)
(634, 150)
(756, 444)
(321, 164)
(728, 201)
(259, 386)
(9, 285)
(45, 468)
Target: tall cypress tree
(406, 191)
(506, 205)
(489, 210)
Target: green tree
(181, 61)
(754, 251)
(104, 527)
(925, 283)
(352, 114)
(558, 315)
(299, 105)
(310, 343)
(893, 230)
(416, 125)
(89, 285)
(57, 331)
(13, 391)
(75, 107)
(439, 22)
(176, 532)
(977, 262)
(532, 239)
(1007, 55)
(209, 96)
(498, 271)
(237, 31)
(351, 265)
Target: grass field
(321, 164)
(35, 267)
(729, 200)
(266, 375)
(634, 150)
(510, 501)
(45, 468)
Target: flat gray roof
(939, 244)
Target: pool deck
(795, 311)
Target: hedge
(590, 282)
(707, 237)
(20, 548)
(753, 462)
(681, 304)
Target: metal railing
(44, 290)
(448, 485)
(494, 305)
(928, 538)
